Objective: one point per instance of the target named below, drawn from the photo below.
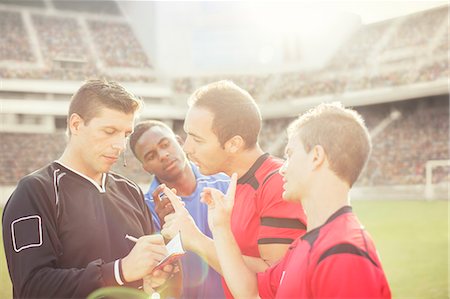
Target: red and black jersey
(63, 233)
(335, 260)
(260, 215)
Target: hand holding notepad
(174, 251)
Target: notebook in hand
(175, 251)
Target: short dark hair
(143, 127)
(96, 94)
(341, 132)
(235, 111)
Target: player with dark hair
(336, 258)
(159, 150)
(64, 226)
(222, 125)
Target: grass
(411, 238)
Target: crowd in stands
(60, 38)
(254, 84)
(26, 3)
(399, 155)
(355, 51)
(416, 29)
(14, 44)
(107, 7)
(117, 44)
(400, 151)
(24, 153)
(395, 52)
(65, 48)
(273, 136)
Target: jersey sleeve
(32, 247)
(269, 280)
(281, 222)
(347, 272)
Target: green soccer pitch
(411, 238)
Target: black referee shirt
(62, 232)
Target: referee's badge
(26, 232)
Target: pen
(131, 238)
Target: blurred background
(387, 59)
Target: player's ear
(318, 156)
(234, 144)
(75, 123)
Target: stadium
(393, 71)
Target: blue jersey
(199, 280)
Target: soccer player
(222, 125)
(327, 149)
(159, 150)
(64, 226)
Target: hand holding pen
(160, 273)
(142, 259)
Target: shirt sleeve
(348, 272)
(269, 280)
(281, 222)
(32, 247)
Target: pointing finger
(176, 202)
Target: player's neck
(71, 159)
(242, 162)
(185, 183)
(322, 202)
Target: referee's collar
(101, 189)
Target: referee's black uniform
(63, 233)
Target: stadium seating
(406, 51)
(14, 45)
(117, 44)
(43, 44)
(398, 158)
(396, 52)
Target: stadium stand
(48, 44)
(29, 3)
(106, 7)
(118, 52)
(399, 155)
(38, 43)
(401, 151)
(14, 45)
(400, 51)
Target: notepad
(175, 251)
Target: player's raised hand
(220, 205)
(180, 221)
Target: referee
(65, 224)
